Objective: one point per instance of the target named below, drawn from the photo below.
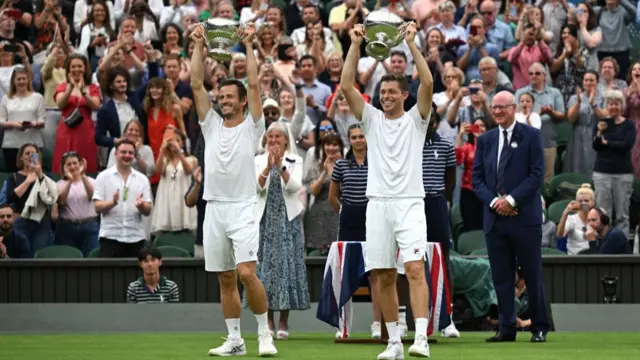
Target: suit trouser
(613, 194)
(507, 241)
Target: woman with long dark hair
(470, 205)
(96, 32)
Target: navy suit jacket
(108, 120)
(524, 174)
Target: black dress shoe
(539, 337)
(502, 337)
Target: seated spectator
(122, 196)
(31, 192)
(12, 245)
(549, 230)
(602, 237)
(151, 287)
(175, 168)
(77, 222)
(573, 223)
(22, 115)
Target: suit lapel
(493, 153)
(514, 142)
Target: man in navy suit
(507, 174)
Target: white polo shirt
(229, 158)
(394, 153)
(124, 222)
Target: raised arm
(425, 91)
(348, 78)
(253, 89)
(200, 95)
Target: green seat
(556, 209)
(453, 253)
(563, 132)
(173, 252)
(480, 252)
(455, 216)
(552, 251)
(94, 253)
(47, 159)
(314, 252)
(3, 177)
(635, 195)
(568, 180)
(182, 240)
(58, 252)
(470, 241)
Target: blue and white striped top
(437, 155)
(353, 181)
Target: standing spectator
(175, 168)
(498, 33)
(22, 116)
(573, 223)
(447, 27)
(176, 10)
(144, 161)
(254, 13)
(77, 222)
(555, 14)
(478, 109)
(13, 245)
(82, 12)
(581, 113)
(50, 24)
(613, 20)
(529, 51)
(568, 67)
(122, 196)
(613, 139)
(95, 33)
(342, 18)
(341, 113)
(426, 12)
(192, 198)
(398, 67)
(609, 71)
(550, 106)
(316, 92)
(151, 287)
(31, 192)
(23, 24)
(439, 57)
(590, 35)
(477, 47)
(470, 205)
(310, 14)
(632, 112)
(77, 98)
(53, 73)
(281, 254)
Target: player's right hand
(197, 34)
(357, 34)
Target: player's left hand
(411, 32)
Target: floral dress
(570, 77)
(281, 266)
(580, 156)
(322, 223)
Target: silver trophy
(383, 31)
(221, 34)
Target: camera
(610, 287)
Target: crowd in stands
(89, 84)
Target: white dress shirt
(124, 222)
(509, 198)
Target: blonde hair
(585, 189)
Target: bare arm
(104, 206)
(200, 95)
(425, 90)
(334, 196)
(64, 193)
(253, 89)
(348, 78)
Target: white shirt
(509, 198)
(124, 222)
(394, 153)
(87, 34)
(455, 32)
(81, 11)
(363, 65)
(118, 8)
(29, 108)
(174, 15)
(125, 114)
(299, 35)
(534, 118)
(574, 228)
(229, 158)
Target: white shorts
(230, 235)
(392, 225)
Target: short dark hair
(594, 73)
(170, 57)
(242, 90)
(112, 74)
(124, 141)
(400, 79)
(399, 53)
(308, 57)
(149, 251)
(6, 206)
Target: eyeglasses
(536, 73)
(326, 128)
(501, 107)
(271, 112)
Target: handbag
(74, 119)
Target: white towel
(43, 194)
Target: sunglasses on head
(69, 153)
(326, 128)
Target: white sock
(402, 315)
(263, 322)
(392, 330)
(421, 326)
(233, 326)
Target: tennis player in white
(395, 212)
(230, 231)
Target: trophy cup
(220, 35)
(383, 31)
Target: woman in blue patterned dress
(281, 255)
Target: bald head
(503, 107)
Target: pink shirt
(79, 205)
(420, 9)
(522, 57)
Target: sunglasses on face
(271, 113)
(326, 128)
(536, 73)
